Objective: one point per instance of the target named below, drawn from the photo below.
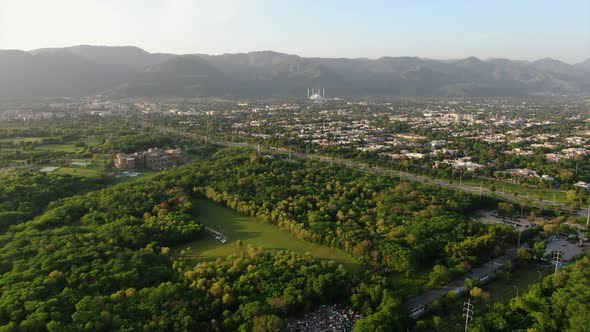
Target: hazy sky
(517, 29)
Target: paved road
(488, 269)
(446, 184)
(476, 190)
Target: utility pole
(516, 287)
(557, 258)
(467, 313)
(258, 149)
(480, 189)
(588, 218)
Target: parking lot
(566, 248)
(492, 217)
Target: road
(401, 174)
(447, 184)
(488, 269)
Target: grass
(78, 171)
(522, 189)
(251, 232)
(21, 139)
(69, 146)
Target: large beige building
(154, 158)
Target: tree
(267, 323)
(440, 275)
(551, 228)
(539, 249)
(567, 175)
(572, 198)
(436, 321)
(505, 209)
(476, 292)
(525, 255)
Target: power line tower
(557, 259)
(467, 313)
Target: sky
(440, 29)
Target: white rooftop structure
(48, 169)
(318, 96)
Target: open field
(17, 140)
(79, 171)
(39, 144)
(251, 232)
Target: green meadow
(249, 231)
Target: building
(316, 96)
(582, 184)
(154, 158)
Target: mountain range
(132, 72)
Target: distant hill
(121, 56)
(132, 72)
(584, 65)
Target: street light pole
(558, 258)
(480, 189)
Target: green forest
(75, 256)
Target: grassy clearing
(78, 171)
(38, 144)
(16, 140)
(534, 193)
(251, 232)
